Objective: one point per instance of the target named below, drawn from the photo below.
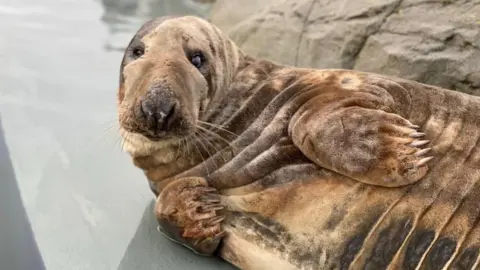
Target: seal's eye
(137, 52)
(197, 60)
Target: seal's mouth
(160, 114)
(136, 143)
(161, 137)
(157, 132)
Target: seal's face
(166, 80)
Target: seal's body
(278, 167)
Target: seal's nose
(159, 112)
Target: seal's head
(173, 68)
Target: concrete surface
(88, 207)
(15, 231)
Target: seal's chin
(159, 138)
(137, 144)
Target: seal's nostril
(146, 109)
(159, 113)
(170, 117)
(165, 116)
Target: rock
(430, 41)
(227, 13)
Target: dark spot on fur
(267, 227)
(354, 244)
(351, 249)
(338, 213)
(331, 80)
(388, 243)
(416, 247)
(268, 231)
(467, 259)
(304, 256)
(440, 253)
(346, 80)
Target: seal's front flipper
(187, 212)
(202, 246)
(369, 145)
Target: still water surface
(88, 206)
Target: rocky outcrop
(431, 41)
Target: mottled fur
(301, 168)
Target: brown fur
(279, 167)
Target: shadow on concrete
(18, 249)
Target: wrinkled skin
(275, 167)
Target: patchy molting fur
(284, 209)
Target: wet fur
(283, 210)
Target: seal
(278, 167)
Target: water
(125, 16)
(88, 206)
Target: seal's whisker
(208, 111)
(187, 140)
(179, 148)
(103, 142)
(200, 153)
(104, 132)
(111, 122)
(211, 143)
(218, 127)
(109, 127)
(213, 133)
(185, 144)
(119, 142)
(205, 147)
